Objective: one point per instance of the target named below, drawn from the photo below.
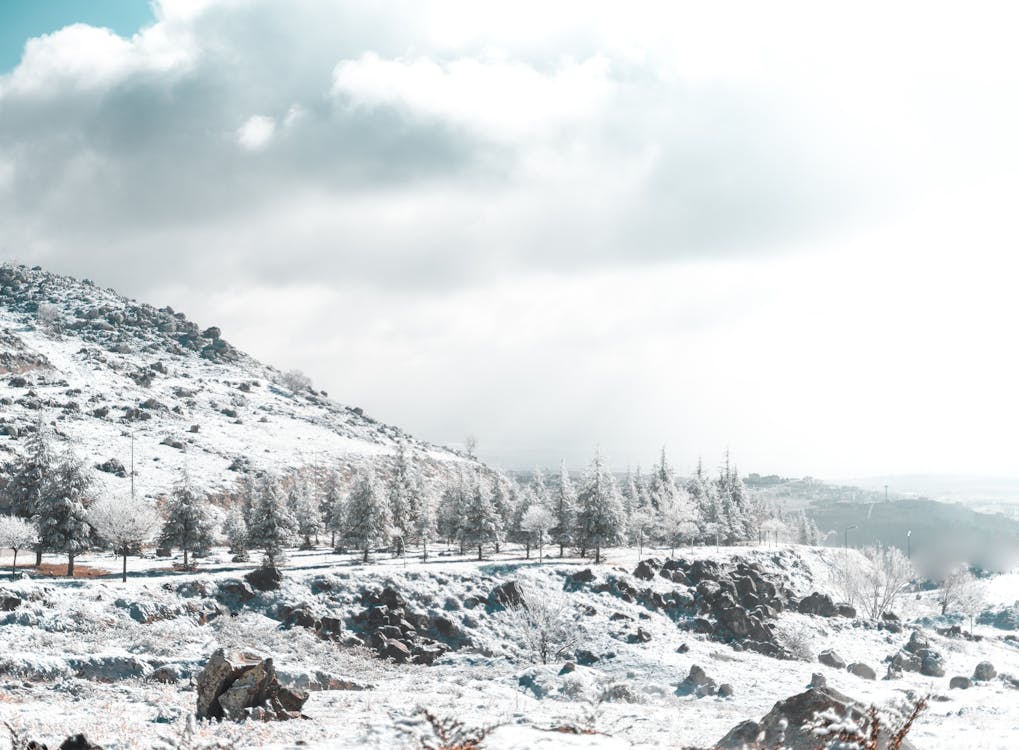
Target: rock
(932, 665)
(960, 683)
(788, 724)
(696, 683)
(644, 570)
(9, 602)
(682, 648)
(818, 680)
(113, 466)
(508, 594)
(568, 667)
(582, 576)
(265, 578)
(234, 593)
(830, 658)
(725, 690)
(862, 670)
(78, 742)
(396, 650)
(237, 685)
(641, 636)
(845, 610)
(818, 604)
(985, 671)
(586, 658)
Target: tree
(679, 520)
(807, 531)
(304, 507)
(235, 529)
(31, 475)
(273, 526)
(62, 513)
(425, 522)
(886, 576)
(187, 525)
(482, 524)
(125, 523)
(564, 502)
(662, 484)
(545, 622)
(955, 587)
(17, 534)
(368, 519)
(403, 498)
(600, 509)
(332, 508)
(452, 510)
(295, 381)
(536, 521)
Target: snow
(74, 659)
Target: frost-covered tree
(188, 525)
(482, 524)
(62, 513)
(600, 518)
(545, 622)
(425, 525)
(536, 521)
(662, 484)
(807, 531)
(883, 580)
(235, 529)
(956, 589)
(679, 520)
(17, 534)
(368, 519)
(515, 531)
(641, 518)
(735, 521)
(31, 475)
(273, 526)
(453, 509)
(564, 508)
(125, 523)
(404, 492)
(505, 499)
(332, 508)
(304, 507)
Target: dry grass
(59, 570)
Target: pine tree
(482, 524)
(305, 508)
(600, 518)
(273, 525)
(368, 518)
(662, 484)
(452, 509)
(62, 513)
(333, 509)
(30, 477)
(187, 525)
(641, 519)
(564, 508)
(403, 498)
(806, 530)
(425, 521)
(235, 529)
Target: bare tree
(125, 523)
(17, 534)
(49, 316)
(954, 584)
(471, 445)
(546, 623)
(537, 520)
(885, 576)
(295, 380)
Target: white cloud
(502, 98)
(256, 132)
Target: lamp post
(909, 550)
(847, 530)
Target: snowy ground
(72, 659)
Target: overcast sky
(789, 229)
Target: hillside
(102, 368)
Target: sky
(785, 231)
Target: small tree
(273, 526)
(125, 523)
(545, 622)
(188, 525)
(425, 521)
(305, 509)
(536, 521)
(235, 529)
(332, 506)
(295, 381)
(368, 520)
(482, 524)
(564, 502)
(600, 518)
(31, 477)
(885, 577)
(17, 534)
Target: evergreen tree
(305, 508)
(641, 520)
(452, 510)
(516, 531)
(62, 513)
(30, 477)
(403, 498)
(235, 529)
(482, 524)
(368, 518)
(333, 508)
(187, 525)
(600, 518)
(807, 531)
(564, 508)
(273, 525)
(424, 521)
(662, 484)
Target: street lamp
(847, 530)
(909, 550)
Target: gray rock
(818, 604)
(830, 658)
(862, 670)
(960, 683)
(818, 680)
(725, 690)
(985, 671)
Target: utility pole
(847, 530)
(909, 550)
(886, 493)
(132, 465)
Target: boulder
(932, 665)
(830, 658)
(960, 683)
(582, 576)
(818, 604)
(508, 594)
(862, 670)
(78, 742)
(984, 671)
(9, 602)
(697, 683)
(818, 680)
(645, 570)
(265, 578)
(236, 685)
(725, 690)
(788, 724)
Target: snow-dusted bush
(545, 623)
(124, 522)
(295, 381)
(886, 576)
(797, 639)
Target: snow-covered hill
(102, 368)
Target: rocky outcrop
(984, 671)
(830, 658)
(792, 722)
(697, 683)
(917, 656)
(238, 685)
(397, 632)
(862, 670)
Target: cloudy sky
(779, 228)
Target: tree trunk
(561, 546)
(70, 565)
(123, 578)
(497, 548)
(38, 556)
(185, 558)
(333, 540)
(541, 547)
(479, 552)
(597, 553)
(366, 553)
(528, 549)
(14, 566)
(424, 552)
